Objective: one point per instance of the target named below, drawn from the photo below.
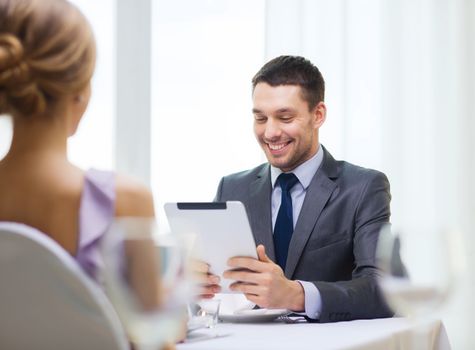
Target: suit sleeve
(360, 297)
(217, 197)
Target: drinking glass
(205, 313)
(418, 267)
(145, 277)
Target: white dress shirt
(305, 173)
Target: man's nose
(272, 130)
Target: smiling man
(316, 220)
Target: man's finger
(213, 279)
(246, 263)
(200, 266)
(209, 289)
(206, 296)
(206, 278)
(261, 254)
(246, 288)
(242, 276)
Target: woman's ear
(80, 102)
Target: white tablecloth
(378, 334)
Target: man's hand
(263, 282)
(208, 284)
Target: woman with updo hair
(47, 57)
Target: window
(204, 56)
(93, 144)
(5, 134)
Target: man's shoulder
(353, 170)
(247, 175)
(345, 170)
(355, 176)
(236, 186)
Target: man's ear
(320, 114)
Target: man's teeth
(276, 147)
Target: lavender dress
(96, 213)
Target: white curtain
(400, 89)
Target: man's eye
(259, 118)
(286, 118)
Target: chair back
(47, 301)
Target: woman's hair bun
(47, 51)
(18, 91)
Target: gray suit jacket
(334, 241)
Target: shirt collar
(304, 171)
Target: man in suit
(316, 220)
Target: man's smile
(278, 148)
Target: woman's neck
(38, 136)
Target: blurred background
(172, 106)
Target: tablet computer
(222, 231)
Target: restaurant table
(388, 334)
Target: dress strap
(97, 210)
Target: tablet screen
(222, 231)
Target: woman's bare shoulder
(133, 198)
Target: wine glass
(418, 267)
(145, 277)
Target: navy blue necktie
(284, 225)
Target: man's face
(284, 127)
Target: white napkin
(234, 303)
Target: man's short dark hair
(293, 70)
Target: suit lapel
(318, 194)
(260, 213)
